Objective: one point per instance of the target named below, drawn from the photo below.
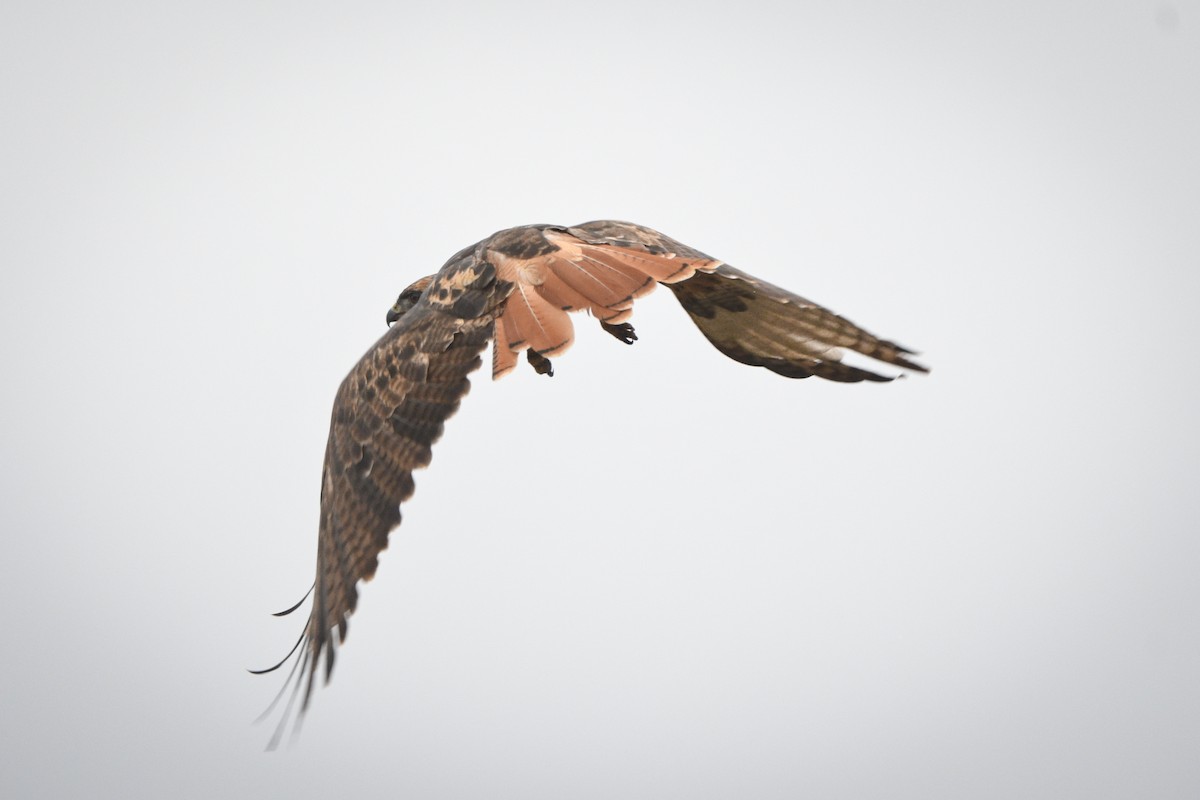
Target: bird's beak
(392, 316)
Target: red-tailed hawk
(516, 287)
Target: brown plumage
(519, 285)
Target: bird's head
(407, 299)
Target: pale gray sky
(660, 574)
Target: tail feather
(504, 358)
(560, 293)
(532, 321)
(663, 269)
(602, 285)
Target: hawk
(516, 289)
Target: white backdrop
(660, 574)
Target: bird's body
(518, 287)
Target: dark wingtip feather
(330, 656)
(914, 366)
(282, 661)
(299, 603)
(899, 360)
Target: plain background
(660, 574)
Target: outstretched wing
(756, 323)
(387, 415)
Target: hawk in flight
(516, 289)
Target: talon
(624, 331)
(541, 365)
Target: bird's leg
(539, 362)
(624, 331)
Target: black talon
(540, 363)
(624, 331)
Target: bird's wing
(387, 414)
(756, 323)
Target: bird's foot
(624, 331)
(541, 365)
